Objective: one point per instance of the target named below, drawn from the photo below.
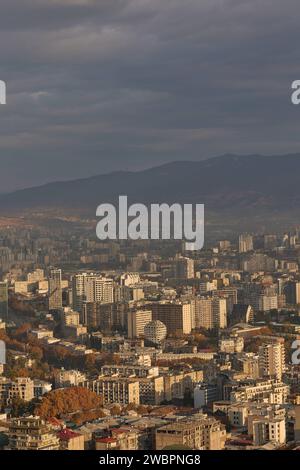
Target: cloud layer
(99, 85)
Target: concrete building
(250, 365)
(122, 438)
(91, 287)
(245, 243)
(229, 294)
(292, 292)
(127, 370)
(297, 423)
(272, 358)
(151, 390)
(31, 433)
(178, 384)
(40, 387)
(116, 390)
(70, 440)
(268, 391)
(55, 289)
(21, 387)
(4, 301)
(269, 430)
(196, 433)
(210, 312)
(177, 316)
(205, 394)
(109, 317)
(184, 268)
(136, 322)
(234, 344)
(155, 332)
(69, 378)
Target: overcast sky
(101, 85)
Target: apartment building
(269, 430)
(122, 438)
(91, 287)
(245, 243)
(69, 378)
(269, 391)
(127, 370)
(151, 390)
(249, 364)
(184, 268)
(31, 433)
(178, 384)
(197, 433)
(177, 316)
(136, 322)
(210, 312)
(205, 394)
(234, 344)
(70, 440)
(4, 300)
(116, 390)
(21, 387)
(272, 358)
(55, 289)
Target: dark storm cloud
(97, 85)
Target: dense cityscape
(139, 345)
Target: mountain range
(231, 185)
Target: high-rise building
(260, 297)
(136, 322)
(177, 316)
(292, 292)
(229, 294)
(184, 268)
(109, 317)
(90, 287)
(210, 313)
(272, 358)
(55, 290)
(245, 243)
(219, 313)
(100, 289)
(78, 291)
(270, 241)
(3, 301)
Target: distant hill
(228, 185)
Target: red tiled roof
(55, 421)
(67, 434)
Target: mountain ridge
(229, 183)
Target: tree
(18, 407)
(58, 403)
(115, 410)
